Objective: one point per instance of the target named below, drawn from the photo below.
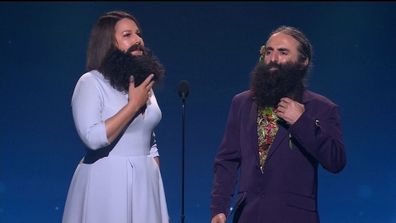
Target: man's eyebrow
(283, 50)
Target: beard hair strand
(117, 66)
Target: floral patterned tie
(266, 129)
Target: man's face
(281, 74)
(281, 49)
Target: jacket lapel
(252, 128)
(280, 136)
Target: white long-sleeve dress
(118, 182)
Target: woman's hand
(138, 96)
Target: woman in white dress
(115, 112)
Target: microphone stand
(183, 93)
(182, 160)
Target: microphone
(183, 89)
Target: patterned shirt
(266, 129)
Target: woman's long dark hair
(102, 37)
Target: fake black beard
(118, 66)
(269, 86)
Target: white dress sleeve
(87, 106)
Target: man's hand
(219, 218)
(289, 110)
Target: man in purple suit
(277, 134)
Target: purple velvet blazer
(286, 191)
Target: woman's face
(127, 34)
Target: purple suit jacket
(287, 189)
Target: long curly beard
(271, 82)
(118, 66)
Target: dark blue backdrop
(214, 46)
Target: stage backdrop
(213, 46)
